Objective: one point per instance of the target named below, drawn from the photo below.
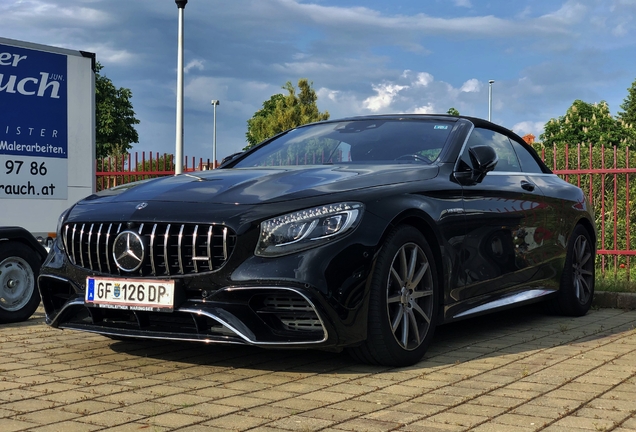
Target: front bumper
(267, 316)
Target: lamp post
(214, 104)
(178, 168)
(490, 99)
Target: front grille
(171, 249)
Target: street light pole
(490, 99)
(214, 104)
(178, 167)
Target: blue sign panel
(33, 103)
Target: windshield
(357, 141)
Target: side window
(528, 163)
(508, 160)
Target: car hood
(264, 185)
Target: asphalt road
(515, 371)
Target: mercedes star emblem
(128, 251)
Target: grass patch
(614, 285)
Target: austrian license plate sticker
(130, 294)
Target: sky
(363, 57)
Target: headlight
(305, 229)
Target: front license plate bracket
(131, 294)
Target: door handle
(527, 185)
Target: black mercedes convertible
(362, 233)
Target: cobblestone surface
(514, 371)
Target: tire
(403, 302)
(19, 269)
(576, 290)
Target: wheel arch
(589, 227)
(21, 235)
(425, 225)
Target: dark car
(363, 233)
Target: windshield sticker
(440, 127)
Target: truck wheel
(19, 269)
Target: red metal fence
(114, 171)
(603, 173)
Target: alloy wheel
(582, 266)
(410, 296)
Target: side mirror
(484, 160)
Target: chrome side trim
(506, 301)
(507, 173)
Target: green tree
(587, 123)
(283, 112)
(115, 117)
(452, 111)
(628, 115)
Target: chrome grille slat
(180, 250)
(73, 244)
(152, 250)
(118, 231)
(106, 248)
(194, 249)
(90, 245)
(210, 237)
(224, 243)
(99, 260)
(166, 257)
(90, 258)
(81, 245)
(66, 242)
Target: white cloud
(305, 68)
(425, 109)
(423, 79)
(324, 93)
(471, 86)
(108, 55)
(385, 94)
(529, 127)
(571, 13)
(34, 10)
(196, 63)
(620, 30)
(372, 22)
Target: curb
(614, 300)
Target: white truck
(47, 158)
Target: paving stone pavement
(515, 371)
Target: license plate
(130, 294)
